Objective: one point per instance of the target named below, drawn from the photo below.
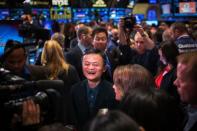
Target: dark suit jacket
(74, 57)
(105, 99)
(37, 72)
(167, 84)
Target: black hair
(96, 51)
(10, 46)
(113, 121)
(170, 52)
(99, 29)
(153, 109)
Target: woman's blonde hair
(53, 57)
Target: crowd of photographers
(85, 71)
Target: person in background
(53, 58)
(73, 57)
(144, 51)
(14, 60)
(186, 83)
(59, 37)
(114, 121)
(74, 41)
(168, 52)
(100, 41)
(58, 69)
(128, 77)
(113, 39)
(167, 35)
(182, 39)
(93, 93)
(152, 109)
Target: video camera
(28, 30)
(15, 90)
(129, 22)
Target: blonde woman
(53, 57)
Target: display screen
(44, 3)
(43, 13)
(81, 15)
(9, 31)
(4, 14)
(139, 18)
(166, 9)
(16, 13)
(187, 7)
(152, 1)
(60, 13)
(59, 2)
(100, 14)
(152, 14)
(152, 22)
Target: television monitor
(16, 13)
(152, 14)
(10, 31)
(100, 14)
(187, 7)
(116, 14)
(152, 1)
(4, 14)
(166, 9)
(60, 2)
(165, 1)
(152, 22)
(40, 3)
(139, 18)
(60, 13)
(81, 15)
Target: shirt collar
(82, 47)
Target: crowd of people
(137, 79)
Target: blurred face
(15, 61)
(185, 87)
(118, 92)
(115, 34)
(162, 58)
(93, 67)
(175, 33)
(100, 41)
(139, 44)
(87, 39)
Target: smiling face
(100, 41)
(93, 67)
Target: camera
(129, 22)
(15, 90)
(28, 30)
